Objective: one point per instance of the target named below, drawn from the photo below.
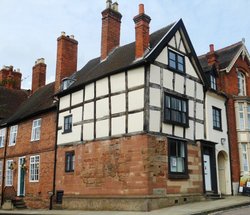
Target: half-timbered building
(130, 122)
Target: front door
(207, 172)
(21, 176)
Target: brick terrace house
(28, 148)
(229, 68)
(11, 97)
(130, 120)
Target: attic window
(213, 82)
(176, 61)
(66, 82)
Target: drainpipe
(229, 147)
(4, 163)
(55, 158)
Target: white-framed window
(241, 117)
(2, 137)
(248, 116)
(36, 130)
(34, 168)
(9, 173)
(213, 82)
(13, 135)
(244, 157)
(241, 84)
(1, 170)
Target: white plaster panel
(74, 136)
(199, 111)
(190, 87)
(61, 117)
(117, 82)
(118, 103)
(155, 120)
(102, 87)
(242, 137)
(163, 56)
(172, 42)
(166, 128)
(191, 108)
(88, 131)
(136, 99)
(155, 74)
(200, 94)
(189, 68)
(177, 37)
(77, 97)
(135, 122)
(136, 77)
(102, 108)
(102, 128)
(76, 114)
(168, 79)
(118, 125)
(89, 91)
(182, 48)
(199, 131)
(178, 131)
(179, 83)
(190, 130)
(89, 111)
(155, 97)
(64, 102)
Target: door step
(213, 196)
(19, 203)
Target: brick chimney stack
(212, 56)
(141, 32)
(38, 75)
(10, 78)
(111, 25)
(66, 62)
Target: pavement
(202, 208)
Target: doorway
(21, 177)
(222, 172)
(207, 172)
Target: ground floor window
(177, 152)
(9, 173)
(34, 168)
(70, 161)
(244, 157)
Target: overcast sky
(29, 28)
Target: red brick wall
(228, 83)
(126, 166)
(38, 76)
(36, 193)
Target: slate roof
(10, 100)
(119, 59)
(225, 56)
(39, 102)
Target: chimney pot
(141, 9)
(63, 33)
(115, 6)
(72, 36)
(108, 3)
(211, 47)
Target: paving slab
(203, 207)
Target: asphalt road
(236, 211)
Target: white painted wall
(89, 91)
(136, 77)
(77, 97)
(64, 102)
(102, 87)
(118, 103)
(102, 108)
(136, 100)
(117, 82)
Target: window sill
(69, 172)
(67, 132)
(34, 141)
(218, 129)
(178, 176)
(177, 71)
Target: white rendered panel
(77, 97)
(64, 102)
(155, 74)
(163, 56)
(172, 42)
(189, 68)
(155, 97)
(200, 94)
(89, 91)
(102, 87)
(190, 87)
(102, 108)
(190, 130)
(191, 108)
(155, 120)
(102, 128)
(136, 99)
(178, 131)
(136, 77)
(199, 111)
(118, 103)
(89, 111)
(61, 118)
(135, 122)
(179, 83)
(118, 125)
(178, 38)
(88, 131)
(167, 128)
(199, 131)
(76, 115)
(117, 82)
(168, 79)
